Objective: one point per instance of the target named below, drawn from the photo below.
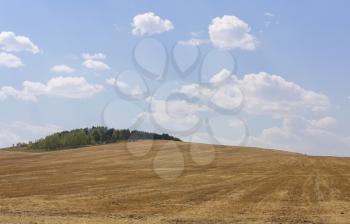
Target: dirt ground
(175, 183)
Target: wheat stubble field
(108, 184)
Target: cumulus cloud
(149, 24)
(62, 69)
(10, 60)
(196, 90)
(262, 93)
(273, 94)
(223, 94)
(207, 92)
(221, 77)
(175, 115)
(94, 61)
(96, 65)
(67, 87)
(325, 122)
(118, 83)
(231, 32)
(134, 91)
(11, 42)
(9, 91)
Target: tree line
(92, 136)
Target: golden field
(175, 183)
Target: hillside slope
(175, 182)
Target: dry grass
(109, 184)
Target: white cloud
(231, 32)
(67, 87)
(207, 92)
(175, 115)
(94, 61)
(10, 60)
(300, 135)
(282, 100)
(149, 24)
(10, 42)
(224, 93)
(221, 77)
(227, 97)
(193, 42)
(196, 90)
(9, 91)
(95, 65)
(62, 69)
(273, 94)
(135, 91)
(118, 83)
(262, 94)
(325, 122)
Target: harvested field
(172, 183)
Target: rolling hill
(172, 182)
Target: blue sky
(291, 66)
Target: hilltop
(127, 182)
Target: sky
(264, 73)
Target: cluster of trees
(93, 136)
